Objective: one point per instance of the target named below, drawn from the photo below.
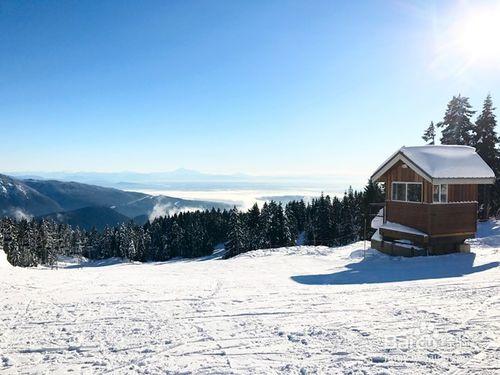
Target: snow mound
(76, 262)
(4, 263)
(352, 251)
(292, 250)
(369, 252)
(378, 220)
(487, 237)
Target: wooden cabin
(431, 199)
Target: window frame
(406, 183)
(440, 193)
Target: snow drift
(4, 263)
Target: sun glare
(469, 41)
(478, 35)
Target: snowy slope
(3, 260)
(20, 200)
(293, 310)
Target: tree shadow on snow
(490, 228)
(386, 269)
(96, 263)
(217, 254)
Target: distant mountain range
(178, 175)
(187, 179)
(86, 205)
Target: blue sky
(262, 87)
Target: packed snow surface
(293, 310)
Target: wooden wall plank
(462, 193)
(434, 219)
(398, 173)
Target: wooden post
(364, 239)
(487, 200)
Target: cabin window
(398, 191)
(407, 191)
(440, 193)
(414, 192)
(435, 193)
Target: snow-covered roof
(402, 228)
(442, 164)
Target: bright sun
(471, 41)
(477, 35)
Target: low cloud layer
(19, 214)
(164, 209)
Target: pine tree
(11, 247)
(372, 193)
(485, 141)
(292, 220)
(323, 222)
(284, 235)
(77, 245)
(358, 215)
(297, 209)
(11, 243)
(336, 219)
(253, 225)
(123, 241)
(42, 243)
(351, 218)
(275, 227)
(346, 225)
(265, 224)
(131, 250)
(236, 243)
(175, 241)
(105, 244)
(430, 134)
(457, 125)
(92, 250)
(25, 245)
(485, 138)
(50, 244)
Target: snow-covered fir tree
(237, 238)
(175, 240)
(485, 138)
(457, 125)
(430, 134)
(253, 222)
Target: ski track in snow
(269, 311)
